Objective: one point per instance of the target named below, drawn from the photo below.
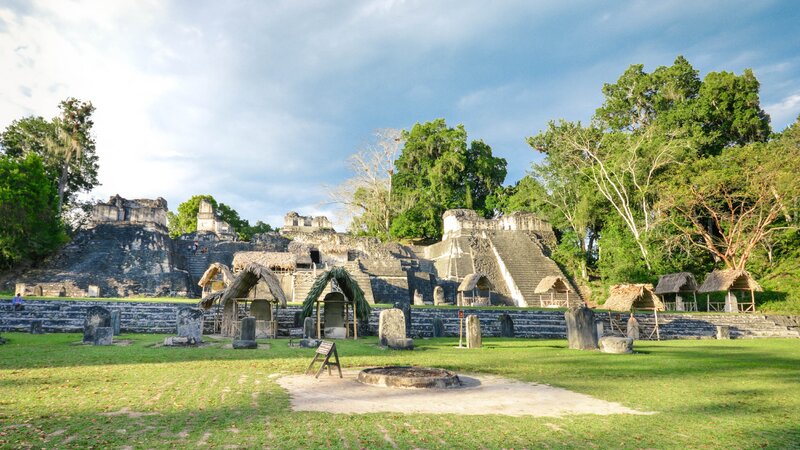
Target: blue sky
(260, 103)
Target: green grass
(707, 394)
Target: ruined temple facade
(121, 210)
(207, 221)
(127, 252)
(295, 223)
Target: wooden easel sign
(326, 349)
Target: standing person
(18, 302)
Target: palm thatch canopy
(556, 283)
(473, 280)
(729, 280)
(349, 286)
(244, 281)
(212, 271)
(271, 260)
(674, 283)
(625, 297)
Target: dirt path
(480, 395)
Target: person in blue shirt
(18, 302)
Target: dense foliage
(30, 228)
(673, 173)
(185, 220)
(437, 171)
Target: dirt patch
(260, 347)
(479, 395)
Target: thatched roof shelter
(474, 280)
(349, 286)
(729, 280)
(271, 260)
(554, 283)
(244, 281)
(625, 297)
(212, 271)
(675, 283)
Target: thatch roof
(731, 279)
(676, 282)
(625, 297)
(212, 271)
(475, 279)
(270, 260)
(349, 286)
(244, 281)
(556, 283)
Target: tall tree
(185, 221)
(367, 195)
(436, 171)
(65, 145)
(30, 227)
(735, 201)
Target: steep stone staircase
(700, 326)
(196, 265)
(362, 278)
(526, 263)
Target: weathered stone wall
(141, 317)
(119, 209)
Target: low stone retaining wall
(146, 317)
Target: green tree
(736, 201)
(185, 221)
(30, 228)
(436, 171)
(65, 145)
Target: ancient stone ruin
(581, 329)
(392, 330)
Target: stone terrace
(145, 317)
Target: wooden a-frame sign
(326, 349)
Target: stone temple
(126, 251)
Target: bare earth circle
(409, 377)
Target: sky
(260, 103)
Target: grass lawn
(707, 394)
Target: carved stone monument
(418, 300)
(506, 326)
(633, 328)
(247, 338)
(723, 332)
(96, 317)
(190, 325)
(438, 296)
(581, 329)
(406, 308)
(473, 331)
(116, 324)
(438, 327)
(36, 327)
(392, 330)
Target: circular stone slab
(409, 377)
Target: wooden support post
(753, 300)
(355, 320)
(658, 333)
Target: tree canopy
(437, 171)
(185, 220)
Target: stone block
(189, 324)
(248, 329)
(103, 336)
(506, 326)
(310, 343)
(473, 331)
(438, 327)
(93, 291)
(401, 344)
(176, 341)
(244, 344)
(309, 331)
(581, 329)
(391, 326)
(613, 344)
(723, 332)
(406, 308)
(418, 300)
(116, 322)
(335, 332)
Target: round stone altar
(409, 377)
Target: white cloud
(784, 112)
